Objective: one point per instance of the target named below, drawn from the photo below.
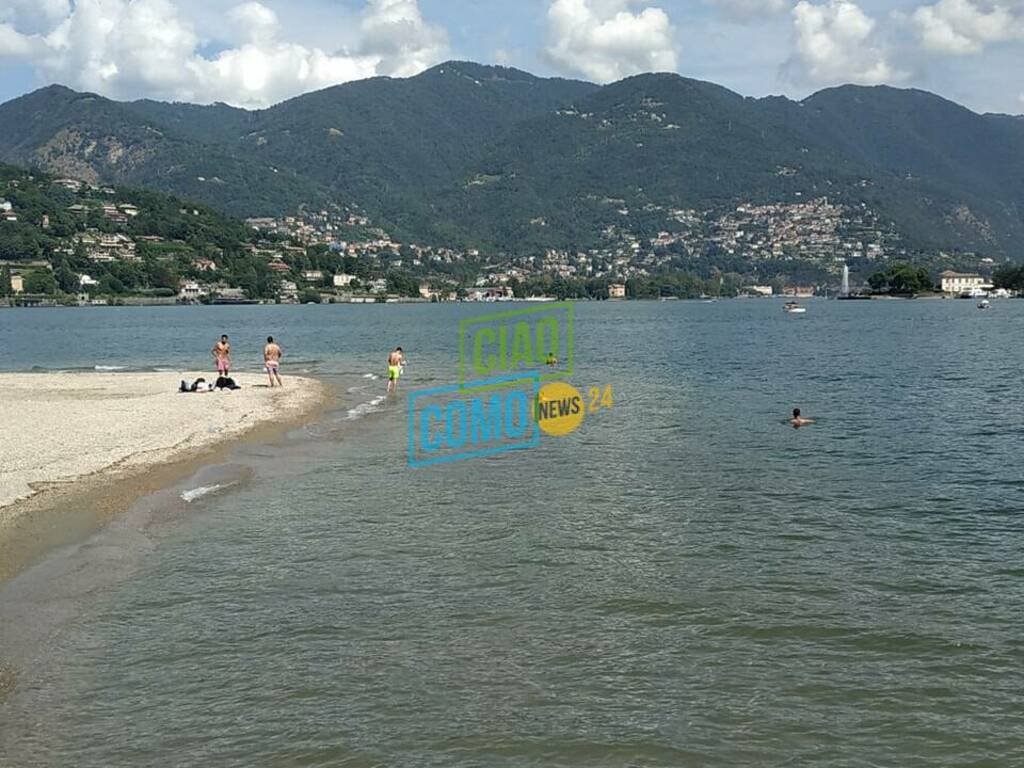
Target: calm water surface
(685, 581)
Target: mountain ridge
(478, 154)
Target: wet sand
(82, 446)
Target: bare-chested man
(272, 361)
(799, 421)
(222, 354)
(395, 362)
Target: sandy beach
(61, 427)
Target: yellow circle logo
(560, 408)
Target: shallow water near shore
(686, 580)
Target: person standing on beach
(395, 362)
(272, 360)
(222, 354)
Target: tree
(110, 284)
(248, 281)
(1010, 277)
(67, 280)
(5, 281)
(403, 284)
(878, 282)
(309, 296)
(40, 281)
(161, 275)
(79, 256)
(901, 278)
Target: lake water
(684, 581)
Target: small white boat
(983, 304)
(793, 308)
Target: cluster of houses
(107, 247)
(814, 230)
(118, 213)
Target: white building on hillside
(191, 290)
(341, 280)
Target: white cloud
(751, 10)
(395, 31)
(960, 27)
(258, 23)
(604, 40)
(15, 45)
(132, 48)
(33, 15)
(836, 43)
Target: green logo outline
(561, 373)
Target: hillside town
(103, 251)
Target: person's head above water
(398, 349)
(270, 339)
(796, 413)
(223, 337)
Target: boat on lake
(793, 308)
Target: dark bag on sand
(225, 382)
(194, 388)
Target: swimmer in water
(798, 421)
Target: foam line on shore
(69, 425)
(88, 444)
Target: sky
(254, 53)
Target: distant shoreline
(422, 302)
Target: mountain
(499, 158)
(359, 141)
(947, 177)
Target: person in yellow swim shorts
(395, 362)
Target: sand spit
(59, 427)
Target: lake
(683, 581)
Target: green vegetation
(170, 234)
(40, 281)
(489, 157)
(1010, 277)
(901, 278)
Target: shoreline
(64, 510)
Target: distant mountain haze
(495, 157)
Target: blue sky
(253, 53)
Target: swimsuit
(272, 364)
(394, 372)
(223, 363)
